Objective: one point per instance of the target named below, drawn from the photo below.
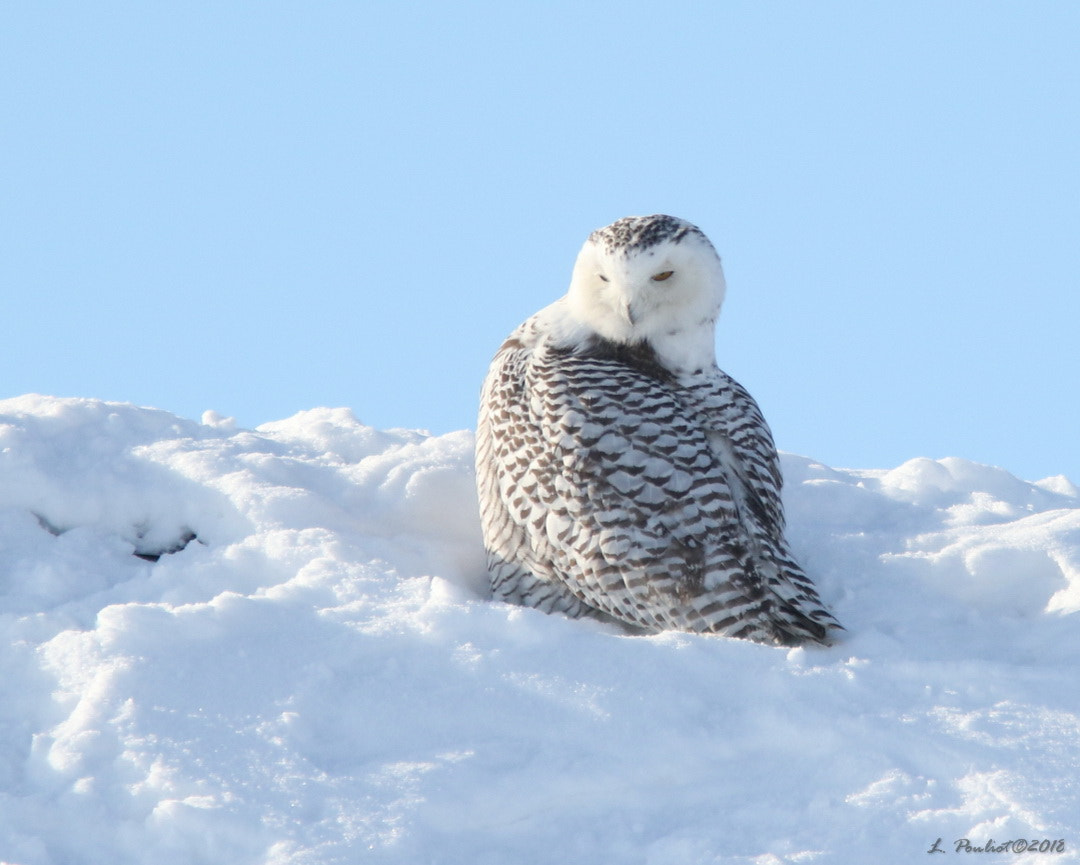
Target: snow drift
(273, 646)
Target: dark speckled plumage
(612, 485)
(639, 233)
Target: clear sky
(263, 207)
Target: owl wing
(610, 494)
(739, 434)
(514, 480)
(608, 488)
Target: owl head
(654, 279)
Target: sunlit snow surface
(318, 678)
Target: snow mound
(274, 646)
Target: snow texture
(310, 671)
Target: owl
(621, 474)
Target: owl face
(652, 278)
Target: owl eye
(660, 277)
(602, 277)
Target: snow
(317, 676)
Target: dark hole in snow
(149, 554)
(152, 555)
(48, 526)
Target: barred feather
(614, 482)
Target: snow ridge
(317, 676)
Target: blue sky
(259, 208)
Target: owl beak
(628, 313)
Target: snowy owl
(621, 474)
